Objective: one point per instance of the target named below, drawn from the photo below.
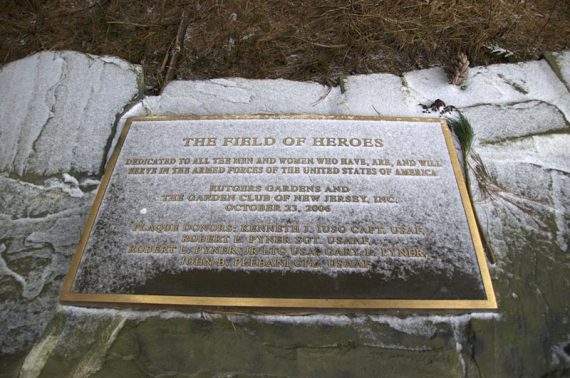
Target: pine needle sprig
(462, 128)
(464, 132)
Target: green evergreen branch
(462, 128)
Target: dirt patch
(301, 40)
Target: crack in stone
(19, 167)
(559, 216)
(4, 268)
(236, 88)
(28, 143)
(53, 90)
(548, 169)
(20, 136)
(93, 359)
(84, 111)
(56, 216)
(39, 355)
(397, 347)
(114, 130)
(123, 65)
(348, 345)
(555, 65)
(510, 140)
(516, 86)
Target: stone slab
(283, 212)
(37, 240)
(58, 111)
(243, 96)
(497, 123)
(496, 84)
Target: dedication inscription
(282, 211)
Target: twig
(325, 46)
(484, 237)
(176, 49)
(495, 192)
(133, 24)
(324, 95)
(339, 46)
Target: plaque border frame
(490, 303)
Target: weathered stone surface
(495, 123)
(58, 110)
(534, 175)
(242, 96)
(560, 63)
(57, 114)
(528, 222)
(495, 84)
(383, 94)
(38, 236)
(24, 200)
(106, 343)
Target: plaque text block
(282, 212)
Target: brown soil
(296, 39)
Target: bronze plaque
(282, 212)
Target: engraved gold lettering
(199, 142)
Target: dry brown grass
(303, 40)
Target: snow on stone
(493, 123)
(69, 179)
(365, 95)
(26, 101)
(20, 199)
(40, 246)
(559, 351)
(70, 188)
(136, 314)
(379, 94)
(535, 171)
(57, 111)
(243, 96)
(147, 106)
(412, 325)
(549, 152)
(89, 183)
(555, 146)
(495, 84)
(235, 96)
(58, 234)
(4, 269)
(562, 62)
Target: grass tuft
(464, 132)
